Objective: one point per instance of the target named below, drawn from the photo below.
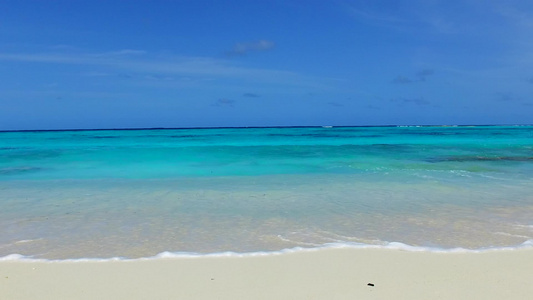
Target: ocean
(101, 194)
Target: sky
(151, 64)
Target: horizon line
(258, 127)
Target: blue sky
(125, 64)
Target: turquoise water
(136, 193)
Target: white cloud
(251, 95)
(224, 102)
(255, 46)
(374, 16)
(142, 64)
(470, 17)
(124, 52)
(516, 13)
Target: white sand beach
(322, 274)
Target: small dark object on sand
(370, 284)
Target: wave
(171, 255)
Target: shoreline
(397, 246)
(329, 273)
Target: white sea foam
(26, 241)
(525, 226)
(11, 257)
(174, 255)
(513, 235)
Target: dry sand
(323, 274)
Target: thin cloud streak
(437, 17)
(414, 101)
(421, 76)
(224, 102)
(251, 95)
(247, 47)
(374, 16)
(139, 61)
(402, 80)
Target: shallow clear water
(136, 193)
